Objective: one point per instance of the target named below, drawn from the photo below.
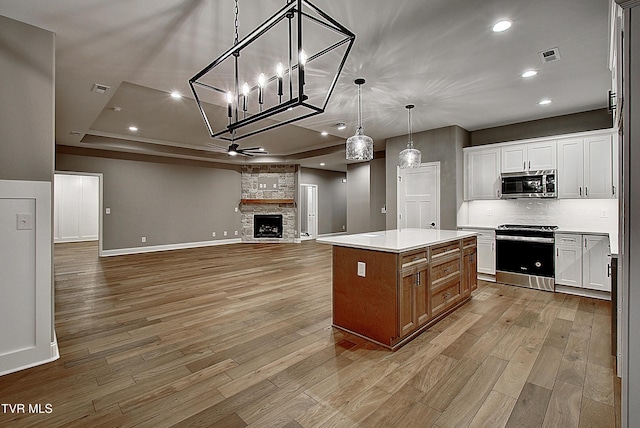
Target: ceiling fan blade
(252, 149)
(243, 153)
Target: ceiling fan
(234, 149)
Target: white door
(308, 211)
(597, 167)
(76, 207)
(482, 174)
(568, 260)
(595, 263)
(541, 156)
(570, 169)
(419, 196)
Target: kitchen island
(390, 286)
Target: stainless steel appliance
(531, 184)
(525, 256)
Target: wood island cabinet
(391, 297)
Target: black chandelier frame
(294, 12)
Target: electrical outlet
(213, 234)
(225, 233)
(236, 233)
(603, 213)
(490, 212)
(107, 210)
(144, 239)
(344, 227)
(235, 209)
(362, 269)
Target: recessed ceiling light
(341, 126)
(544, 102)
(176, 95)
(529, 73)
(133, 128)
(324, 133)
(322, 164)
(501, 26)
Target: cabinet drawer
(442, 251)
(444, 272)
(568, 239)
(408, 260)
(469, 242)
(444, 297)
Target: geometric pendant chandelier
(285, 70)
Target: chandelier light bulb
(229, 104)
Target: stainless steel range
(524, 256)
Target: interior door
(419, 196)
(308, 211)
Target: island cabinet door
(413, 307)
(469, 267)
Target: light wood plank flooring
(240, 335)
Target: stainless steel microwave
(531, 184)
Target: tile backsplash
(588, 215)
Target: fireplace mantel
(267, 201)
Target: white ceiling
(440, 55)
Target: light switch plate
(362, 269)
(24, 221)
(107, 210)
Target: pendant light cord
(410, 131)
(359, 106)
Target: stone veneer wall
(286, 189)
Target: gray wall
(378, 194)
(358, 197)
(566, 124)
(27, 106)
(169, 203)
(442, 145)
(332, 198)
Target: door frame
(315, 217)
(100, 201)
(399, 210)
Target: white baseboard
(54, 355)
(168, 247)
(324, 235)
(584, 292)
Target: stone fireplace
(268, 195)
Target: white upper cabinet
(529, 157)
(598, 182)
(585, 168)
(482, 170)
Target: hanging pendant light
(359, 146)
(410, 157)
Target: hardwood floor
(240, 335)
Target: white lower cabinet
(582, 263)
(486, 249)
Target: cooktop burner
(527, 227)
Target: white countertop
(396, 240)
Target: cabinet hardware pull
(580, 191)
(524, 165)
(585, 242)
(586, 191)
(613, 190)
(557, 252)
(417, 280)
(529, 164)
(608, 270)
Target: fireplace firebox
(267, 226)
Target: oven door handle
(524, 239)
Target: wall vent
(99, 88)
(549, 55)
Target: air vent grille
(100, 88)
(549, 55)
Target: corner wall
(332, 198)
(442, 145)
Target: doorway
(308, 211)
(419, 196)
(77, 203)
